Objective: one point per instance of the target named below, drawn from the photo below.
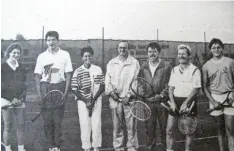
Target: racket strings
(142, 88)
(141, 111)
(187, 124)
(53, 100)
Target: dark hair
(216, 41)
(185, 47)
(52, 34)
(86, 49)
(11, 47)
(154, 45)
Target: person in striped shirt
(88, 84)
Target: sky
(121, 19)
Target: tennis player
(53, 71)
(157, 73)
(121, 70)
(218, 78)
(88, 85)
(13, 78)
(184, 85)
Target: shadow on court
(35, 140)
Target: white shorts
(221, 98)
(6, 102)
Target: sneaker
(51, 149)
(95, 149)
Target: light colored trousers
(90, 124)
(122, 118)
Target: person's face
(52, 42)
(153, 54)
(15, 54)
(87, 58)
(123, 49)
(216, 50)
(183, 56)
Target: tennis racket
(138, 109)
(90, 108)
(187, 122)
(6, 104)
(143, 89)
(227, 103)
(51, 101)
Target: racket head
(141, 88)
(140, 110)
(187, 124)
(53, 99)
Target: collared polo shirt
(184, 81)
(87, 81)
(120, 74)
(53, 66)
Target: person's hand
(16, 102)
(151, 99)
(158, 97)
(230, 100)
(173, 106)
(115, 97)
(184, 107)
(216, 105)
(64, 97)
(126, 100)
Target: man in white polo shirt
(53, 71)
(121, 70)
(184, 84)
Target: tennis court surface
(205, 135)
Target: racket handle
(210, 110)
(36, 117)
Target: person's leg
(150, 126)
(188, 142)
(162, 120)
(96, 125)
(220, 130)
(170, 130)
(229, 123)
(20, 121)
(48, 128)
(8, 118)
(85, 125)
(58, 115)
(131, 125)
(118, 133)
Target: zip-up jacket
(160, 79)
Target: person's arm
(101, 89)
(37, 80)
(99, 92)
(75, 87)
(205, 88)
(67, 85)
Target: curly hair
(216, 41)
(86, 49)
(11, 47)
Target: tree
(20, 37)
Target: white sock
(169, 150)
(8, 148)
(21, 147)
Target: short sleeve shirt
(53, 66)
(87, 81)
(185, 81)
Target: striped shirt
(87, 81)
